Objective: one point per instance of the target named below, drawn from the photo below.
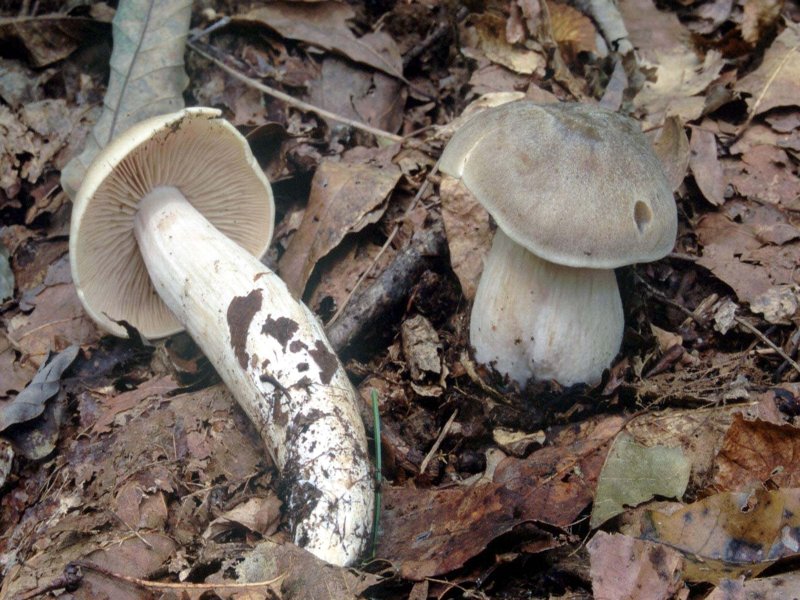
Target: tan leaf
(672, 148)
(147, 75)
(48, 38)
(706, 167)
(572, 28)
(344, 198)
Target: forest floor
(675, 477)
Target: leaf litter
(125, 469)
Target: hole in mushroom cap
(642, 214)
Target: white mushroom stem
(533, 319)
(273, 355)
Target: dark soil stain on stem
(241, 311)
(326, 360)
(282, 329)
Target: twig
(768, 342)
(294, 101)
(158, 585)
(753, 111)
(422, 189)
(435, 448)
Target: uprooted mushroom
(576, 191)
(165, 234)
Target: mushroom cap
(193, 150)
(575, 184)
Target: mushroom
(165, 232)
(576, 191)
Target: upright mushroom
(576, 191)
(165, 232)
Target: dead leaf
(121, 403)
(755, 452)
(147, 75)
(30, 402)
(706, 167)
(48, 38)
(469, 233)
(324, 25)
(14, 374)
(776, 82)
(672, 148)
(764, 174)
(572, 29)
(355, 93)
(759, 18)
(622, 566)
(260, 515)
(344, 198)
(733, 252)
(633, 474)
(486, 34)
(434, 531)
(731, 534)
(421, 347)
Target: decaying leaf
(765, 174)
(421, 347)
(731, 534)
(324, 24)
(633, 474)
(572, 29)
(486, 33)
(672, 148)
(30, 402)
(622, 567)
(755, 452)
(776, 82)
(48, 38)
(433, 531)
(147, 76)
(344, 198)
(14, 374)
(260, 515)
(706, 167)
(469, 233)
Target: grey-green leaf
(634, 474)
(147, 74)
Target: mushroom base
(273, 355)
(535, 320)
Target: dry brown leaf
(57, 321)
(486, 34)
(572, 29)
(672, 148)
(734, 253)
(48, 38)
(116, 406)
(469, 233)
(260, 515)
(765, 174)
(432, 531)
(755, 452)
(355, 93)
(706, 167)
(731, 534)
(324, 24)
(344, 198)
(14, 374)
(759, 19)
(421, 347)
(622, 567)
(776, 82)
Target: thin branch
(158, 585)
(422, 189)
(435, 448)
(294, 101)
(768, 342)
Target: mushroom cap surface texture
(575, 184)
(193, 150)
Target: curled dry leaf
(469, 233)
(731, 534)
(672, 148)
(486, 34)
(147, 75)
(706, 167)
(48, 38)
(344, 198)
(754, 452)
(776, 82)
(622, 567)
(324, 25)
